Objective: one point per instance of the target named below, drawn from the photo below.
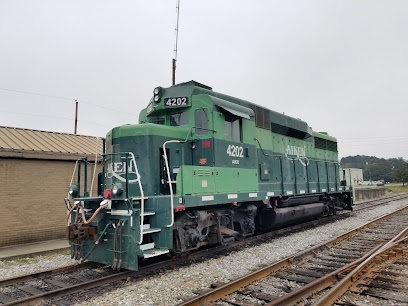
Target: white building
(353, 176)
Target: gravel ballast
(23, 266)
(167, 288)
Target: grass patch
(398, 188)
(66, 251)
(26, 260)
(7, 263)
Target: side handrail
(96, 161)
(141, 195)
(138, 178)
(73, 174)
(169, 179)
(168, 170)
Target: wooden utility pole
(76, 116)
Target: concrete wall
(31, 199)
(363, 194)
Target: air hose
(96, 242)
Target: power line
(109, 108)
(53, 117)
(378, 137)
(65, 98)
(377, 140)
(373, 143)
(33, 93)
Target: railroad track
(91, 280)
(367, 277)
(299, 278)
(385, 280)
(372, 203)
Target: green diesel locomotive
(201, 168)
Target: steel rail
(343, 286)
(340, 287)
(37, 275)
(393, 197)
(224, 290)
(319, 284)
(390, 195)
(71, 289)
(381, 201)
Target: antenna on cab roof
(175, 47)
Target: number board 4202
(176, 102)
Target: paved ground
(32, 248)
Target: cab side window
(233, 128)
(201, 121)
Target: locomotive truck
(201, 168)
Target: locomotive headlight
(117, 189)
(156, 91)
(157, 94)
(73, 190)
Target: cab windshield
(179, 118)
(158, 120)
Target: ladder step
(138, 198)
(147, 246)
(146, 226)
(149, 213)
(151, 230)
(154, 252)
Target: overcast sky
(341, 66)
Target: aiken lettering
(298, 151)
(119, 169)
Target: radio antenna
(175, 47)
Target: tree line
(377, 169)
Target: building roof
(26, 143)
